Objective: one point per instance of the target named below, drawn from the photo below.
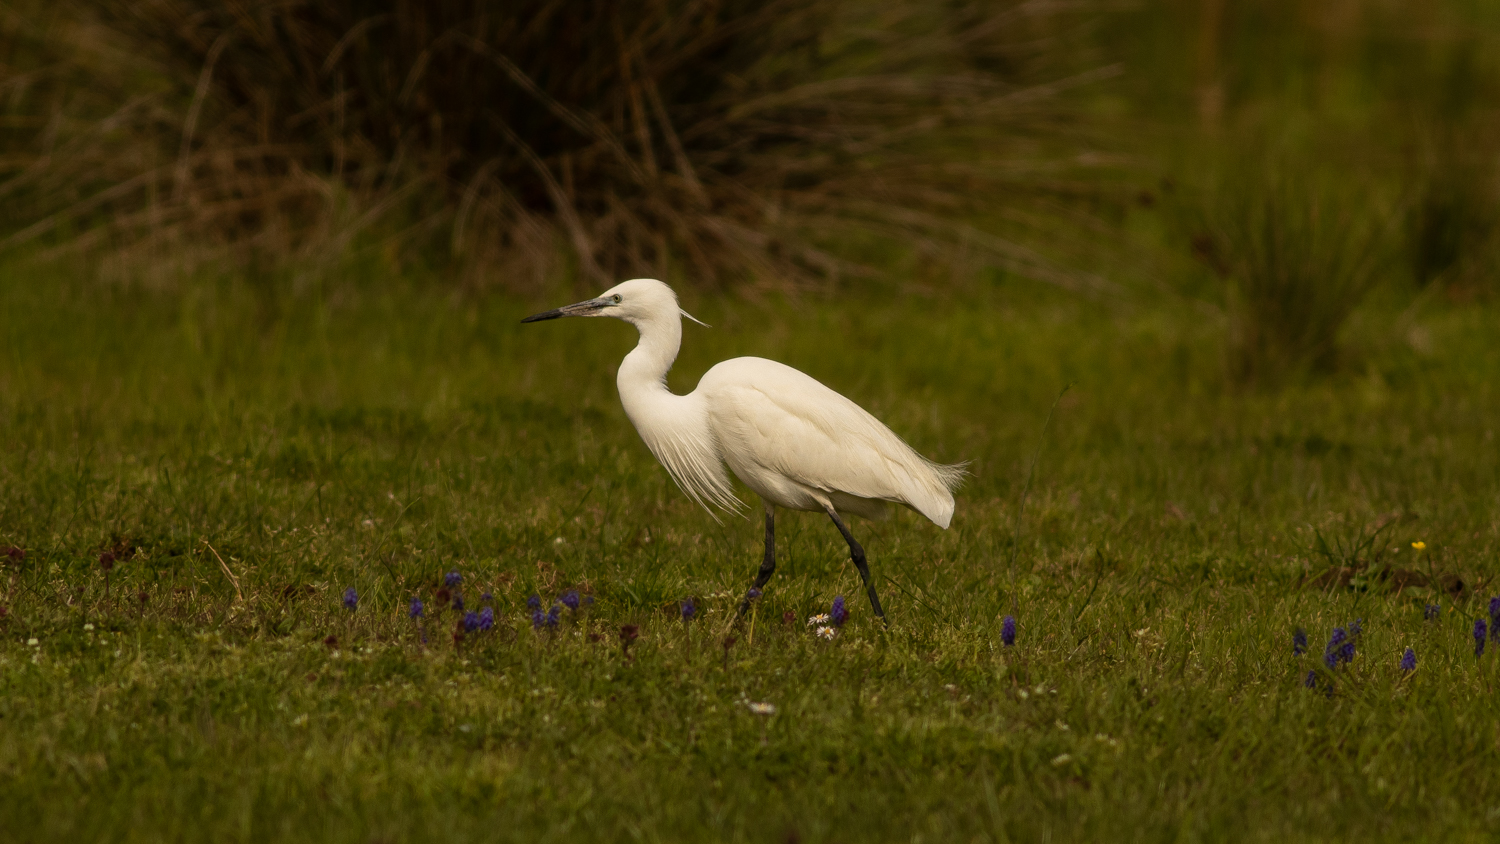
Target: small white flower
(33, 642)
(827, 632)
(1023, 694)
(761, 708)
(1061, 760)
(818, 620)
(88, 628)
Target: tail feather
(934, 498)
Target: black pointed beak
(588, 308)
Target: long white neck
(675, 428)
(643, 373)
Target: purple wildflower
(839, 613)
(752, 594)
(554, 614)
(486, 597)
(1334, 646)
(1495, 618)
(458, 601)
(1356, 628)
(416, 607)
(452, 579)
(534, 602)
(486, 618)
(351, 599)
(1346, 653)
(1480, 629)
(1008, 630)
(471, 622)
(1430, 612)
(688, 610)
(1299, 642)
(538, 618)
(570, 599)
(1409, 661)
(1312, 680)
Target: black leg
(768, 565)
(858, 554)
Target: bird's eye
(616, 298)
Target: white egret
(793, 441)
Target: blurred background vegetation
(1271, 166)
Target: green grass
(378, 440)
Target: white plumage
(802, 446)
(790, 439)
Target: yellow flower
(1419, 545)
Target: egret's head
(636, 301)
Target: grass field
(248, 453)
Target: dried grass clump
(1452, 219)
(1297, 253)
(714, 139)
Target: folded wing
(789, 424)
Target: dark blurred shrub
(1452, 219)
(1297, 254)
(718, 137)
